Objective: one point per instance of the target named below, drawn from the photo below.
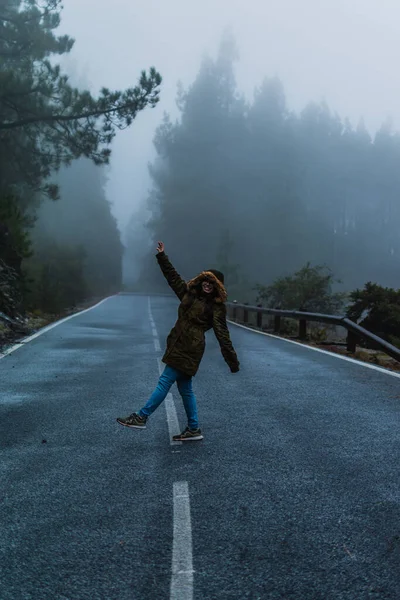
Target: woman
(202, 307)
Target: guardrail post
(351, 341)
(303, 329)
(234, 311)
(259, 317)
(277, 324)
(245, 313)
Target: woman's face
(207, 286)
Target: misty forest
(249, 187)
(269, 190)
(59, 243)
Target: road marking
(156, 341)
(346, 358)
(172, 417)
(182, 557)
(48, 328)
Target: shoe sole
(131, 426)
(196, 438)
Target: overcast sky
(343, 51)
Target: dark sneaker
(134, 420)
(188, 435)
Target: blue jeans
(184, 383)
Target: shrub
(377, 309)
(309, 289)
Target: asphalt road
(294, 492)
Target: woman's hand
(160, 247)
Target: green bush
(377, 309)
(309, 289)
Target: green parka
(197, 313)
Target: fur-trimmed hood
(221, 294)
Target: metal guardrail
(354, 331)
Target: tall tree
(192, 194)
(87, 224)
(291, 188)
(46, 124)
(224, 258)
(137, 244)
(44, 121)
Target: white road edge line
(346, 358)
(48, 328)
(182, 554)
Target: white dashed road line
(172, 417)
(156, 341)
(182, 557)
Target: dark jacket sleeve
(222, 334)
(175, 281)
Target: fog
(270, 144)
(343, 52)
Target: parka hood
(221, 294)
